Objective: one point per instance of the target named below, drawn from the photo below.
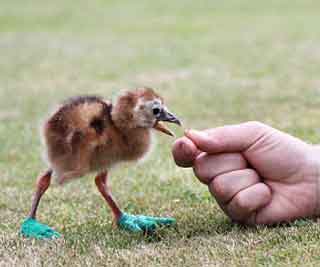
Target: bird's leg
(131, 223)
(43, 182)
(31, 227)
(104, 189)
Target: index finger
(184, 152)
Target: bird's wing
(76, 124)
(91, 119)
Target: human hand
(257, 174)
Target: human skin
(257, 174)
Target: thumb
(231, 138)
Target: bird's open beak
(165, 115)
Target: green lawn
(215, 62)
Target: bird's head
(143, 108)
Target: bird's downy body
(89, 134)
(82, 137)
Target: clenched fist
(257, 174)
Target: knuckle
(200, 171)
(256, 124)
(238, 159)
(252, 175)
(218, 187)
(265, 193)
(241, 203)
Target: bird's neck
(135, 141)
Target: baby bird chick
(89, 134)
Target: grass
(215, 62)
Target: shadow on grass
(96, 232)
(83, 235)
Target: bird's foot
(141, 223)
(31, 228)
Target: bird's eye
(156, 111)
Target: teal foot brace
(141, 223)
(31, 228)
